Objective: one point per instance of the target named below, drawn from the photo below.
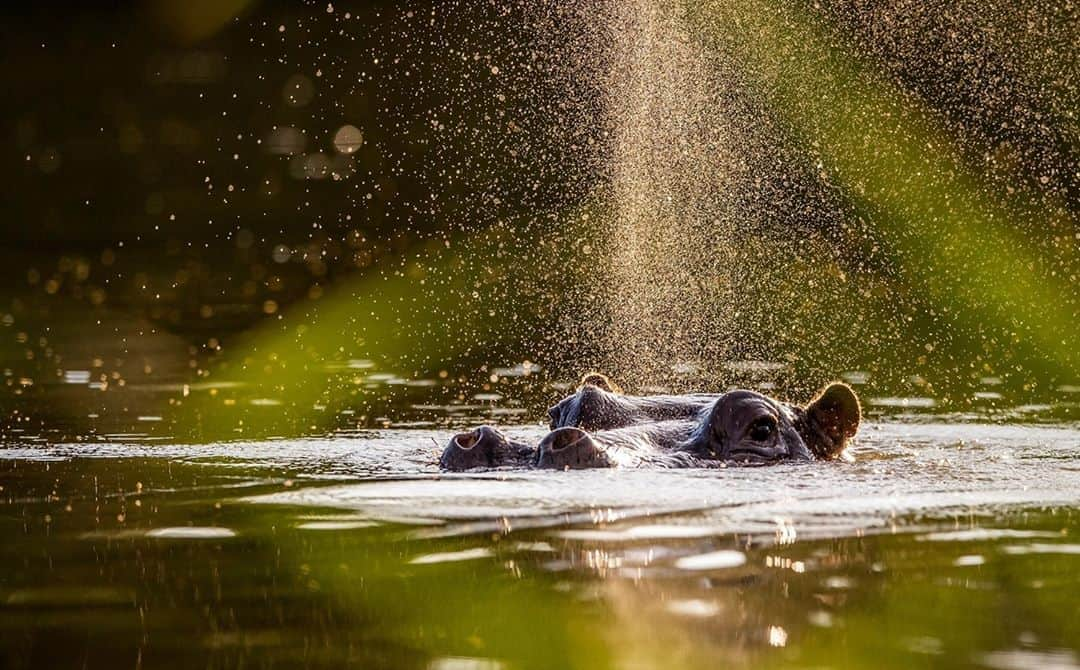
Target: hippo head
(749, 427)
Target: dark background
(171, 185)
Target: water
(946, 544)
(263, 259)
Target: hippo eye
(762, 429)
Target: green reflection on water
(229, 583)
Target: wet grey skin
(646, 444)
(739, 427)
(598, 404)
(484, 447)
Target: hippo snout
(482, 447)
(570, 448)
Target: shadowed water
(944, 544)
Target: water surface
(944, 544)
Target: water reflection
(324, 552)
(94, 405)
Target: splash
(672, 213)
(692, 238)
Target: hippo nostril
(570, 448)
(466, 441)
(567, 438)
(482, 447)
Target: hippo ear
(829, 420)
(600, 381)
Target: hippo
(600, 427)
(599, 404)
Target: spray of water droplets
(663, 283)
